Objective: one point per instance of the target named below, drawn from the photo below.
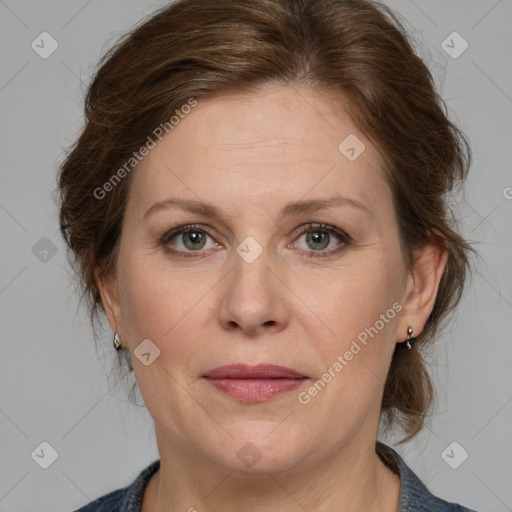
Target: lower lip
(255, 390)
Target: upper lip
(245, 371)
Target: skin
(249, 155)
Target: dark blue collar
(414, 495)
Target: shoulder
(414, 495)
(127, 499)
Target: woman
(257, 204)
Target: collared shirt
(414, 496)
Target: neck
(352, 479)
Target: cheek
(153, 299)
(362, 313)
(352, 299)
(157, 305)
(165, 311)
(359, 311)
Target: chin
(266, 447)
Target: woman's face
(255, 285)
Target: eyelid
(321, 226)
(172, 232)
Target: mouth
(254, 384)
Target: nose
(254, 297)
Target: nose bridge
(253, 252)
(252, 265)
(252, 298)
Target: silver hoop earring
(117, 342)
(410, 339)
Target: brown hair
(197, 49)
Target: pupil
(193, 239)
(318, 237)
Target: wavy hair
(199, 49)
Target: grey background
(55, 388)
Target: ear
(422, 285)
(107, 285)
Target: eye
(191, 237)
(320, 236)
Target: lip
(254, 384)
(245, 371)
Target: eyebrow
(289, 210)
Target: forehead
(279, 143)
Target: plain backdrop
(55, 388)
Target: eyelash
(169, 235)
